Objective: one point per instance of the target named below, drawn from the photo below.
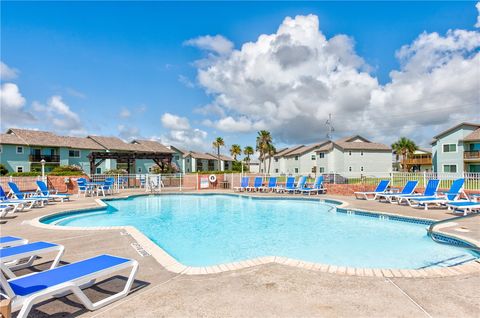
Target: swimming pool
(204, 230)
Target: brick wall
(58, 183)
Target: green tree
(271, 152)
(405, 147)
(217, 143)
(248, 151)
(264, 140)
(3, 170)
(235, 150)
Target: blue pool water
(202, 230)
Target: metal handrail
(431, 227)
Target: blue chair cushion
(7, 239)
(23, 286)
(30, 247)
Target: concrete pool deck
(263, 290)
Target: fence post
(180, 182)
(424, 179)
(391, 179)
(334, 177)
(196, 182)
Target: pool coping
(173, 265)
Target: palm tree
(248, 151)
(405, 147)
(217, 143)
(271, 152)
(264, 139)
(235, 150)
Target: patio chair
(257, 184)
(272, 184)
(8, 241)
(441, 199)
(464, 206)
(82, 187)
(105, 188)
(40, 200)
(370, 195)
(243, 184)
(24, 204)
(23, 256)
(408, 189)
(429, 192)
(44, 191)
(300, 185)
(31, 289)
(317, 187)
(289, 184)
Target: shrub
(24, 174)
(3, 170)
(66, 171)
(116, 171)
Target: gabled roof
(152, 145)
(286, 151)
(81, 143)
(476, 126)
(305, 149)
(473, 136)
(356, 142)
(36, 137)
(176, 149)
(114, 143)
(12, 139)
(200, 155)
(222, 157)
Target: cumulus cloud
(181, 134)
(128, 132)
(216, 44)
(12, 106)
(288, 82)
(59, 114)
(124, 113)
(7, 73)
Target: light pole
(43, 169)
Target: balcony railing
(419, 161)
(47, 158)
(474, 154)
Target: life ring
(212, 178)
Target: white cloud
(128, 132)
(124, 113)
(217, 44)
(186, 81)
(209, 110)
(174, 122)
(288, 82)
(57, 113)
(7, 73)
(477, 25)
(12, 106)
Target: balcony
(424, 160)
(471, 155)
(47, 158)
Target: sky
(184, 73)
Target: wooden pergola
(127, 157)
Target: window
(176, 157)
(449, 148)
(349, 168)
(349, 153)
(19, 168)
(276, 159)
(361, 168)
(98, 170)
(139, 170)
(321, 169)
(296, 170)
(313, 157)
(74, 153)
(449, 168)
(321, 155)
(0, 149)
(19, 149)
(296, 157)
(361, 153)
(276, 170)
(149, 169)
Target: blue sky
(116, 68)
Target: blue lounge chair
(23, 256)
(464, 206)
(23, 195)
(300, 185)
(28, 290)
(370, 195)
(429, 192)
(5, 209)
(317, 187)
(408, 189)
(441, 199)
(257, 184)
(44, 191)
(289, 184)
(8, 241)
(21, 205)
(105, 188)
(243, 184)
(272, 184)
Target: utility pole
(330, 129)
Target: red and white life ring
(212, 178)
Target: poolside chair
(317, 187)
(8, 241)
(429, 192)
(441, 199)
(464, 206)
(82, 187)
(105, 188)
(44, 191)
(23, 204)
(243, 184)
(257, 184)
(289, 184)
(31, 289)
(41, 200)
(23, 256)
(5, 209)
(272, 184)
(300, 185)
(370, 195)
(408, 189)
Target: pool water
(203, 230)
